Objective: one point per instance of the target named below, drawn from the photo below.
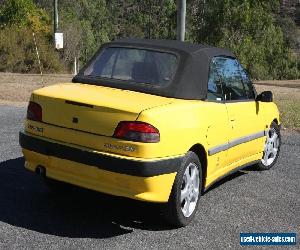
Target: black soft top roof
(190, 81)
(186, 47)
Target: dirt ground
(280, 93)
(285, 83)
(16, 89)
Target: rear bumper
(149, 180)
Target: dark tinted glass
(137, 65)
(214, 90)
(229, 72)
(249, 89)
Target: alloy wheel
(271, 147)
(189, 190)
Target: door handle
(232, 123)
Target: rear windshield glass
(137, 65)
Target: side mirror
(266, 96)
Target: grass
(288, 102)
(290, 113)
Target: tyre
(186, 191)
(271, 149)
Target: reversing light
(34, 112)
(137, 131)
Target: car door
(247, 130)
(218, 128)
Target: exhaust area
(41, 171)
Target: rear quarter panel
(180, 125)
(183, 124)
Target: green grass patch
(289, 113)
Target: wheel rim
(189, 190)
(271, 147)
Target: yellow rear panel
(90, 108)
(153, 189)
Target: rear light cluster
(137, 131)
(34, 112)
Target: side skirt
(231, 172)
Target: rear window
(135, 65)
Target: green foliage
(290, 30)
(16, 11)
(18, 20)
(247, 28)
(24, 13)
(102, 21)
(147, 19)
(266, 43)
(18, 54)
(86, 25)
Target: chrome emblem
(34, 128)
(119, 147)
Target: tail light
(137, 131)
(34, 112)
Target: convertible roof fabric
(190, 80)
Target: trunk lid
(91, 108)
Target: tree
(24, 13)
(267, 44)
(86, 25)
(17, 52)
(246, 27)
(146, 19)
(18, 19)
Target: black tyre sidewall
(175, 215)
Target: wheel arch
(200, 151)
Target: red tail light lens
(34, 112)
(137, 131)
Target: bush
(18, 53)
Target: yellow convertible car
(152, 120)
